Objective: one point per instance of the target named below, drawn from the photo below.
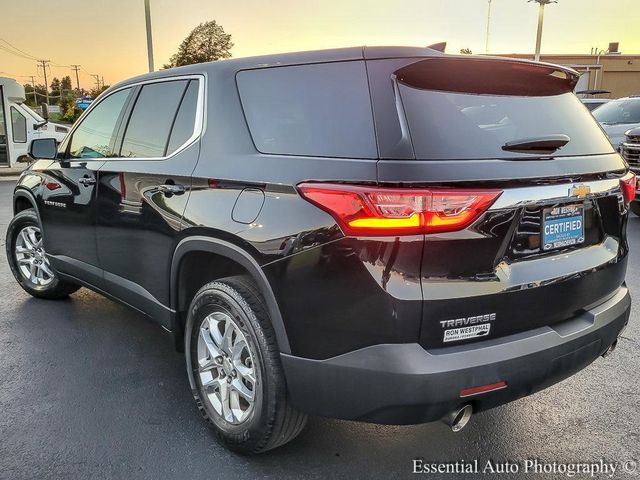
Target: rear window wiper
(544, 144)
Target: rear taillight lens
(628, 187)
(373, 211)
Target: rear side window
(152, 118)
(184, 124)
(313, 110)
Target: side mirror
(44, 148)
(45, 111)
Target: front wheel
(239, 382)
(28, 260)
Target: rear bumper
(406, 384)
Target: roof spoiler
(488, 76)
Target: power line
(17, 54)
(45, 65)
(33, 57)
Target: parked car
(19, 124)
(593, 103)
(618, 116)
(630, 150)
(590, 100)
(389, 235)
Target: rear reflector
(628, 187)
(483, 389)
(374, 211)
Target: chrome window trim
(516, 197)
(199, 123)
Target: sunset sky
(107, 37)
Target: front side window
(315, 110)
(150, 124)
(94, 137)
(18, 126)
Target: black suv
(391, 235)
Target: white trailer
(19, 124)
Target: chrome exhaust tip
(611, 348)
(458, 418)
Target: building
(617, 73)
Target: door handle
(86, 181)
(172, 189)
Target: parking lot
(91, 389)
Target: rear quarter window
(311, 110)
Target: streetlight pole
(540, 22)
(486, 46)
(595, 79)
(147, 17)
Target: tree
(65, 84)
(41, 94)
(206, 43)
(94, 92)
(54, 94)
(466, 51)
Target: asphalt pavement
(90, 389)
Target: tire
(635, 208)
(270, 421)
(50, 286)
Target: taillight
(372, 211)
(628, 187)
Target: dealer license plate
(562, 226)
(465, 333)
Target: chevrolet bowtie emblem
(579, 191)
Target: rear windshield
(446, 125)
(619, 111)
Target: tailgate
(499, 277)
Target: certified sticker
(465, 333)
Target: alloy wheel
(226, 368)
(31, 259)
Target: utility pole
(540, 22)
(44, 64)
(147, 17)
(75, 68)
(33, 84)
(486, 46)
(97, 77)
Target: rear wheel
(28, 260)
(635, 208)
(235, 361)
